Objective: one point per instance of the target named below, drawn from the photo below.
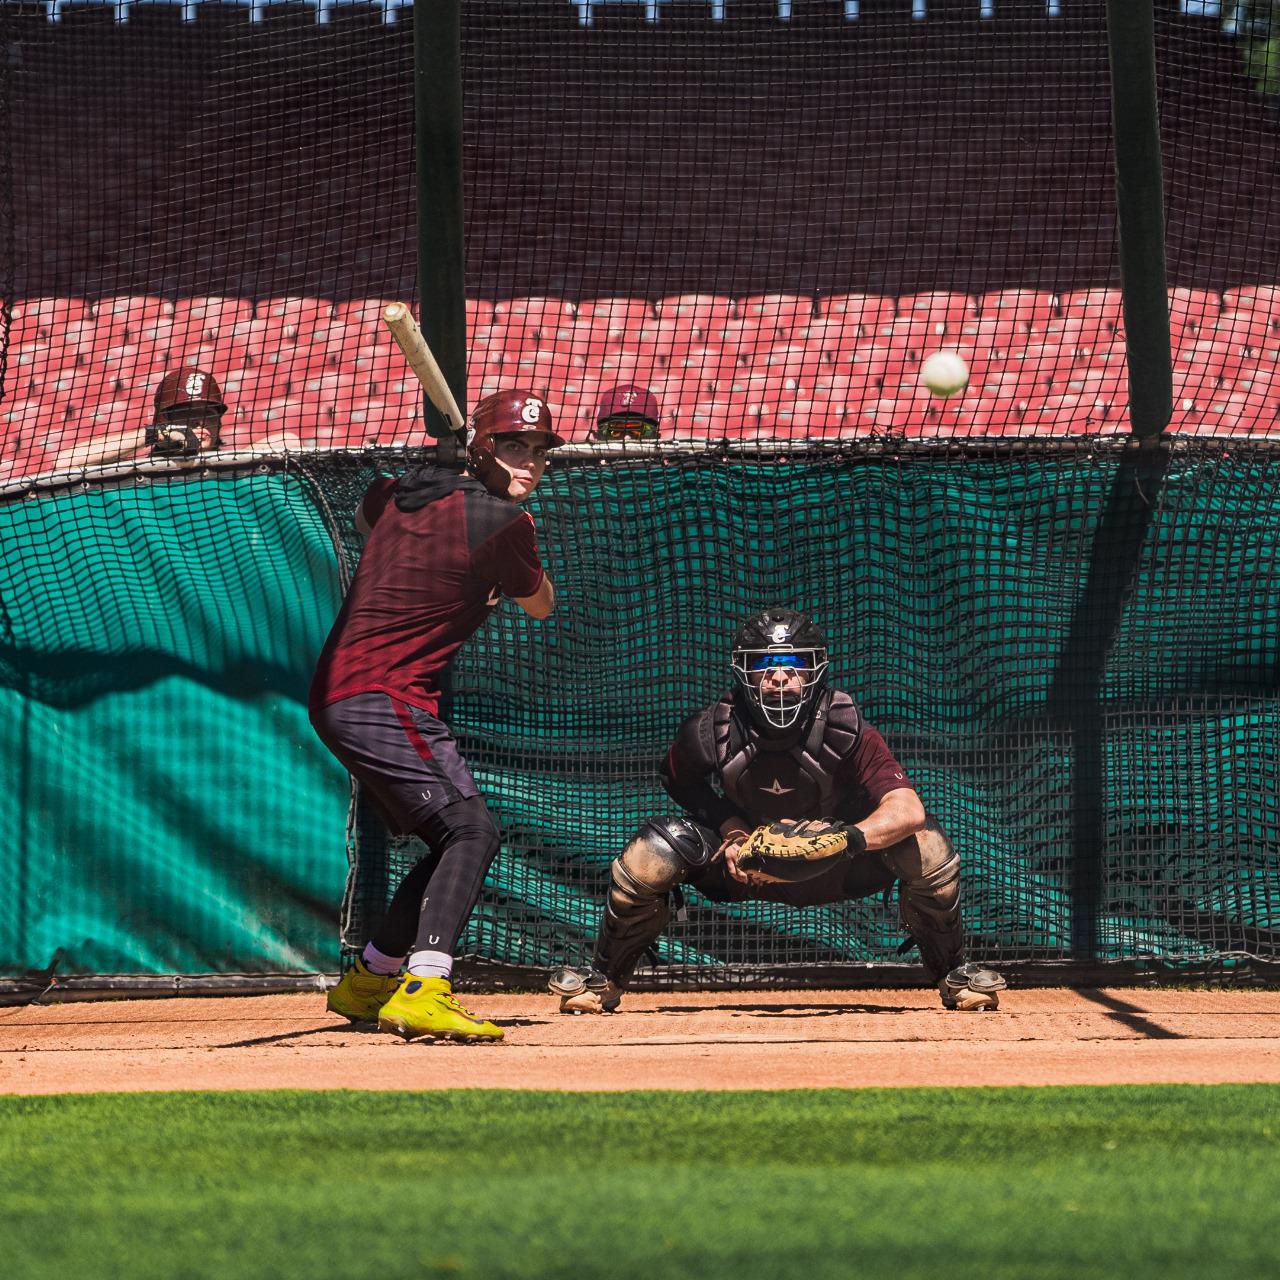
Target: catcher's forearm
(899, 815)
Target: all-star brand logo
(779, 634)
(778, 789)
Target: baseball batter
(782, 745)
(442, 549)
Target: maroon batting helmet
(188, 388)
(627, 412)
(505, 413)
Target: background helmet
(505, 413)
(779, 638)
(188, 388)
(627, 412)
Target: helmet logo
(194, 385)
(532, 411)
(780, 634)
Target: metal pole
(1135, 116)
(437, 80)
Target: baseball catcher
(788, 796)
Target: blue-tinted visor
(767, 660)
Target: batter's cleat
(361, 993)
(593, 994)
(427, 1007)
(971, 988)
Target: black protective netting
(762, 226)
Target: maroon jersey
(440, 553)
(837, 766)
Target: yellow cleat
(428, 1007)
(361, 993)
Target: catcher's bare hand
(728, 850)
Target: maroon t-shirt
(441, 552)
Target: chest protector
(792, 775)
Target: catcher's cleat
(427, 1007)
(593, 994)
(361, 993)
(971, 988)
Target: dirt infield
(805, 1039)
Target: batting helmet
(782, 638)
(627, 412)
(505, 413)
(188, 387)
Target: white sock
(430, 964)
(376, 962)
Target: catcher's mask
(187, 401)
(780, 663)
(505, 413)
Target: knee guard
(928, 871)
(641, 878)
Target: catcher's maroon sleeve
(868, 774)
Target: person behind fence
(441, 551)
(790, 796)
(186, 420)
(627, 412)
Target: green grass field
(936, 1183)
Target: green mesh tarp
(167, 808)
(1073, 653)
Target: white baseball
(945, 373)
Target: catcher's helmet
(505, 413)
(779, 638)
(627, 412)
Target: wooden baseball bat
(404, 328)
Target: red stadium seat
(328, 389)
(866, 311)
(790, 361)
(1031, 310)
(705, 368)
(1101, 309)
(615, 313)
(533, 315)
(1210, 361)
(136, 366)
(199, 320)
(295, 318)
(479, 313)
(703, 312)
(364, 313)
(340, 343)
(49, 317)
(915, 334)
(1194, 311)
(945, 313)
(777, 314)
(121, 319)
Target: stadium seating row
(773, 364)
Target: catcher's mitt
(788, 851)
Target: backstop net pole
(1140, 208)
(437, 81)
